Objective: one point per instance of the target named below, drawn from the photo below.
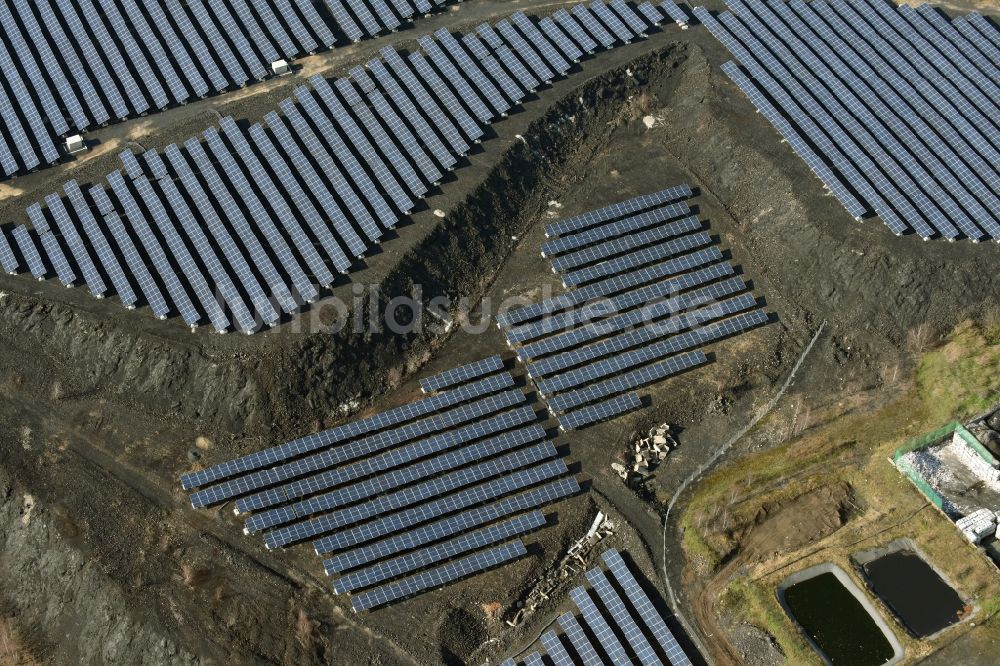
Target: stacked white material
(980, 467)
(977, 525)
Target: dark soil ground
(102, 559)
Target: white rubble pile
(978, 525)
(574, 561)
(971, 459)
(649, 452)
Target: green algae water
(837, 622)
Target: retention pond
(838, 619)
(922, 601)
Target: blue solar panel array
(894, 108)
(272, 210)
(410, 498)
(655, 287)
(625, 626)
(72, 66)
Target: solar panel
(192, 39)
(262, 220)
(219, 43)
(675, 13)
(26, 57)
(28, 110)
(461, 500)
(467, 123)
(472, 99)
(275, 30)
(493, 68)
(95, 283)
(599, 411)
(407, 497)
(534, 659)
(649, 311)
(423, 98)
(325, 438)
(628, 240)
(29, 251)
(333, 174)
(138, 221)
(206, 296)
(652, 14)
(475, 421)
(805, 120)
(603, 307)
(7, 258)
(251, 29)
(206, 251)
(136, 264)
(22, 144)
(606, 287)
(386, 145)
(388, 460)
(614, 364)
(81, 38)
(349, 126)
(440, 552)
(99, 243)
(539, 41)
(593, 26)
(367, 19)
(524, 50)
(977, 39)
(330, 457)
(620, 615)
(439, 576)
(507, 57)
(555, 649)
(344, 20)
(635, 337)
(463, 374)
(235, 220)
(356, 175)
(396, 125)
(279, 166)
(472, 71)
(51, 245)
(298, 30)
(638, 258)
(313, 180)
(893, 117)
(316, 22)
(565, 44)
(617, 210)
(404, 10)
(967, 47)
(385, 15)
(599, 626)
(631, 19)
(571, 26)
(238, 37)
(276, 200)
(136, 55)
(610, 21)
(581, 644)
(451, 525)
(647, 613)
(897, 161)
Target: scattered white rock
(555, 204)
(439, 212)
(26, 506)
(649, 121)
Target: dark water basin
(837, 623)
(922, 601)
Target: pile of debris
(650, 451)
(978, 525)
(574, 561)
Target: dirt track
(102, 407)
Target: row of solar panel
(415, 501)
(627, 631)
(72, 66)
(894, 109)
(652, 293)
(314, 162)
